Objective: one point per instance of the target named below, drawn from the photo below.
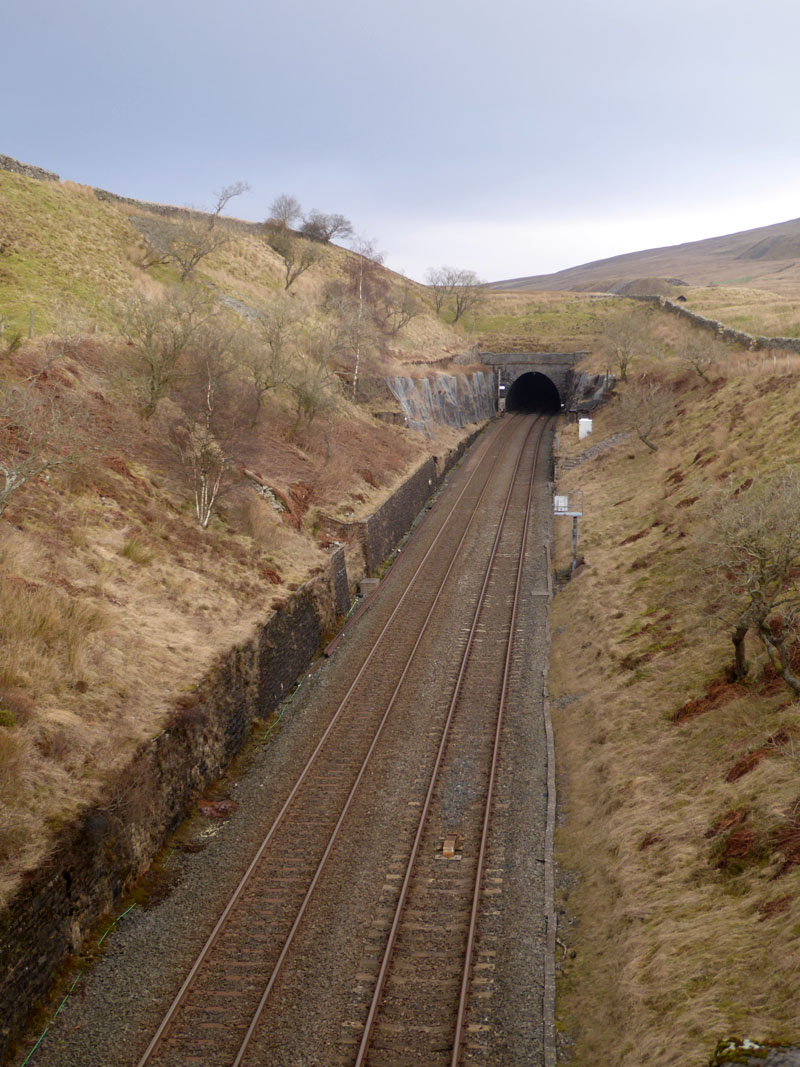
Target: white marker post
(570, 504)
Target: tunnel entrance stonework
(533, 381)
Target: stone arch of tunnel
(533, 392)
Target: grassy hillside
(680, 842)
(550, 322)
(760, 312)
(63, 249)
(114, 597)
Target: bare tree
(298, 255)
(623, 337)
(364, 272)
(159, 330)
(313, 382)
(284, 211)
(440, 282)
(211, 437)
(39, 432)
(743, 570)
(466, 293)
(699, 350)
(454, 290)
(645, 406)
(267, 354)
(397, 307)
(321, 227)
(196, 237)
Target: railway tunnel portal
(530, 382)
(533, 391)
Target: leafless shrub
(284, 211)
(313, 383)
(159, 330)
(40, 431)
(700, 351)
(454, 289)
(267, 353)
(298, 254)
(397, 308)
(743, 567)
(623, 337)
(210, 438)
(323, 228)
(193, 239)
(645, 406)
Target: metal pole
(574, 542)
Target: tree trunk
(740, 663)
(780, 657)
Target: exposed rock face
(752, 1054)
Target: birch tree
(211, 438)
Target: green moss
(734, 1050)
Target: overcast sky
(509, 137)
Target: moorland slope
(766, 257)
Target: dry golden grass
(543, 321)
(761, 312)
(112, 600)
(679, 944)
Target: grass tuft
(136, 551)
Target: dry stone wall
(14, 165)
(725, 333)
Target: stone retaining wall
(378, 535)
(100, 856)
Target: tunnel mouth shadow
(533, 393)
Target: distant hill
(767, 257)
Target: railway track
(419, 1008)
(223, 1012)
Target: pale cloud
(498, 249)
(513, 138)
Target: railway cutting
(378, 898)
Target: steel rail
(476, 896)
(351, 796)
(399, 908)
(213, 937)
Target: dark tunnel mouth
(531, 393)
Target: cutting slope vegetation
(675, 686)
(171, 441)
